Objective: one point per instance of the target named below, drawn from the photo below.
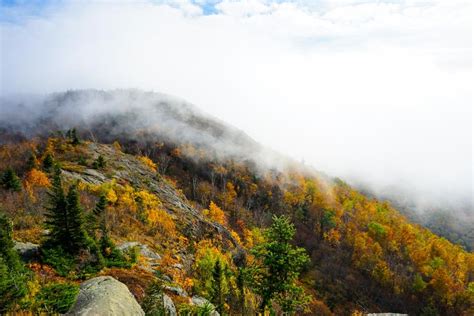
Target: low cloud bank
(378, 93)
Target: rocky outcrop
(27, 250)
(105, 296)
(128, 169)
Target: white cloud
(377, 90)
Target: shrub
(13, 275)
(99, 163)
(152, 303)
(56, 298)
(61, 261)
(148, 162)
(10, 180)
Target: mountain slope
(188, 199)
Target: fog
(375, 92)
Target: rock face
(27, 250)
(127, 168)
(105, 296)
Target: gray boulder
(176, 290)
(143, 249)
(168, 306)
(27, 250)
(105, 296)
(201, 301)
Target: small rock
(166, 278)
(94, 173)
(178, 266)
(176, 290)
(105, 296)
(144, 250)
(201, 301)
(27, 250)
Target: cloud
(377, 92)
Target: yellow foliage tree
(215, 213)
(148, 162)
(162, 221)
(37, 178)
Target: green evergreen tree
(217, 290)
(48, 162)
(32, 162)
(96, 219)
(13, 275)
(240, 282)
(57, 219)
(100, 162)
(74, 138)
(99, 209)
(10, 180)
(279, 266)
(65, 218)
(78, 238)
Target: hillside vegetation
(185, 209)
(207, 220)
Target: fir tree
(100, 162)
(218, 293)
(96, 219)
(10, 180)
(7, 252)
(74, 138)
(32, 162)
(57, 216)
(65, 218)
(48, 162)
(13, 275)
(112, 255)
(78, 238)
(279, 267)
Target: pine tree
(218, 295)
(7, 252)
(280, 264)
(99, 208)
(65, 218)
(108, 250)
(10, 180)
(57, 216)
(100, 162)
(48, 162)
(74, 139)
(13, 276)
(32, 162)
(78, 238)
